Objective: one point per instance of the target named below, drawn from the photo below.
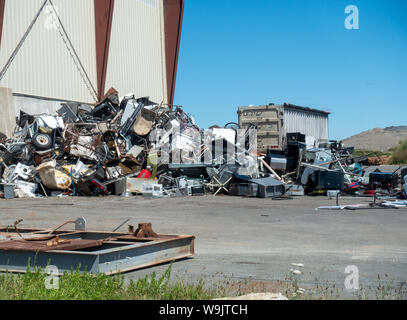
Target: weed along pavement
(247, 240)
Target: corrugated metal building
(131, 45)
(273, 122)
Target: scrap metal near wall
(130, 44)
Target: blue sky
(241, 52)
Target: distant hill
(378, 139)
(397, 128)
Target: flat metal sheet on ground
(92, 251)
(41, 245)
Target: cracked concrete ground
(247, 238)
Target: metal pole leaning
(20, 44)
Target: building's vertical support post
(103, 26)
(2, 5)
(173, 16)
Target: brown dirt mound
(377, 139)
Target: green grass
(370, 153)
(74, 285)
(399, 154)
(85, 286)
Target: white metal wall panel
(35, 106)
(137, 54)
(308, 123)
(43, 66)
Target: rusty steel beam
(44, 245)
(173, 16)
(93, 251)
(103, 26)
(2, 5)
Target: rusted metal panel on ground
(43, 245)
(93, 251)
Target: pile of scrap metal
(77, 150)
(125, 146)
(334, 169)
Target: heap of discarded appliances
(117, 147)
(331, 169)
(128, 146)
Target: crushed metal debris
(129, 146)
